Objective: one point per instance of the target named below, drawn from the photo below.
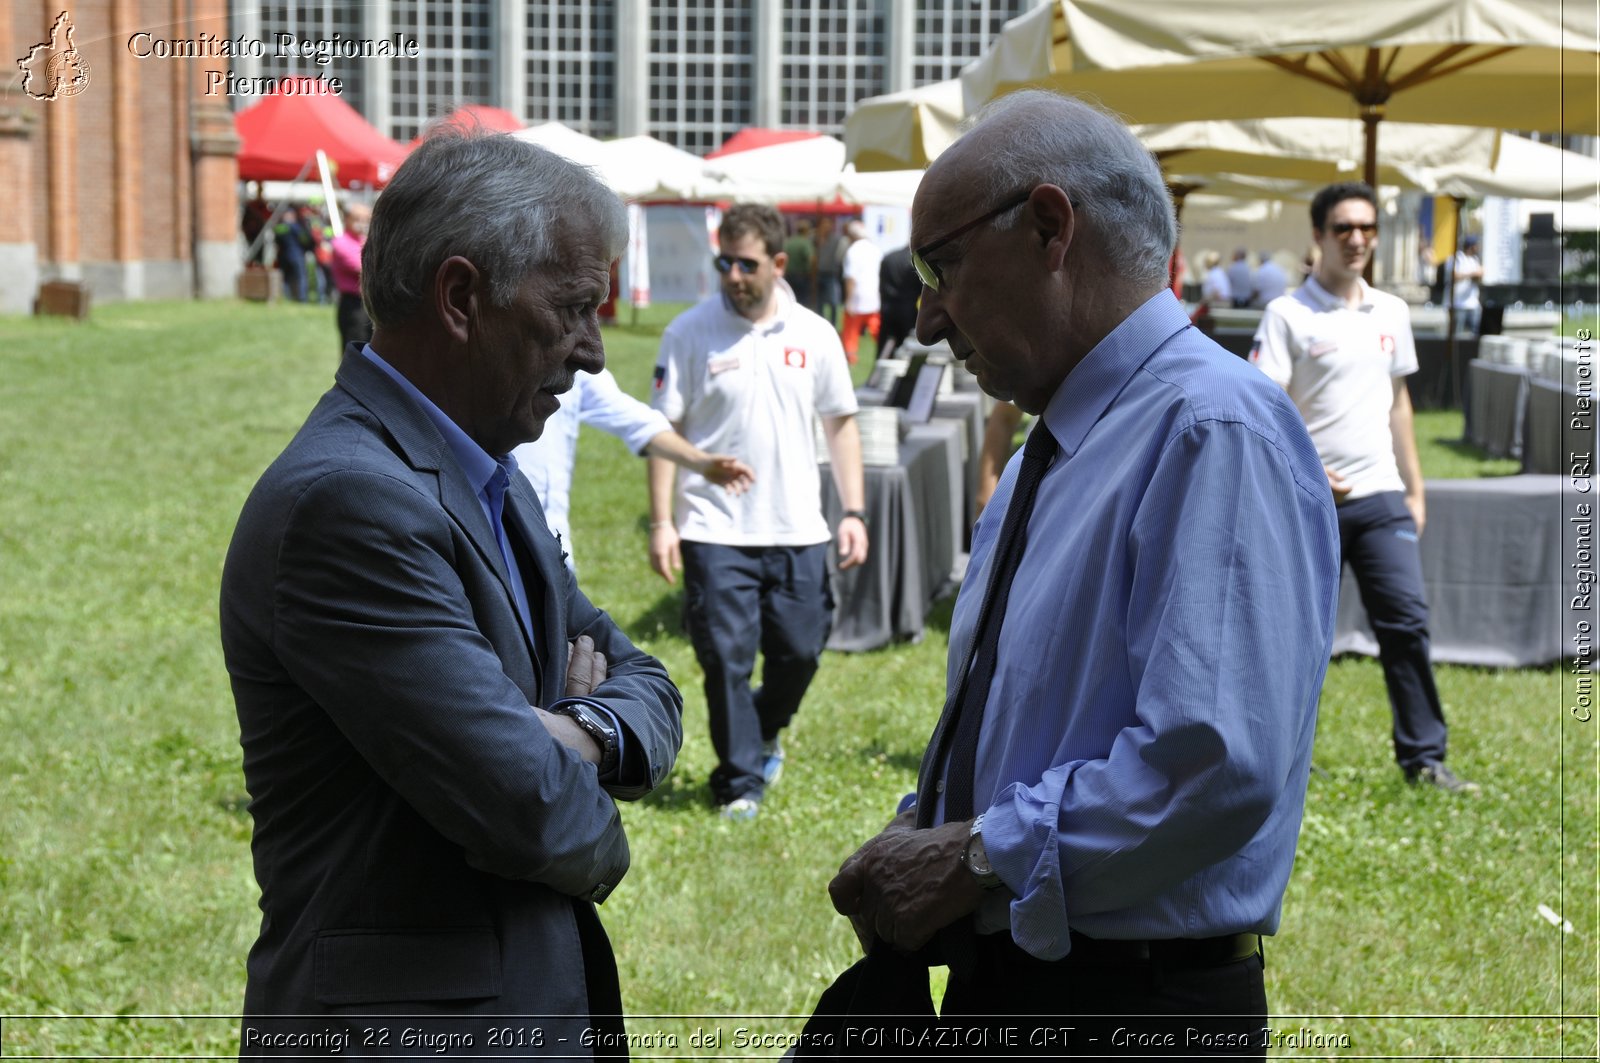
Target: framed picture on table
(924, 393)
(907, 384)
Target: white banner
(638, 260)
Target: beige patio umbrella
(1510, 64)
(903, 130)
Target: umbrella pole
(1450, 303)
(1371, 115)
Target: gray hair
(1113, 180)
(503, 204)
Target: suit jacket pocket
(381, 966)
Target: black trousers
(1011, 1004)
(737, 600)
(1378, 539)
(1111, 1009)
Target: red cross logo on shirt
(795, 356)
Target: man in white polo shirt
(1343, 349)
(745, 372)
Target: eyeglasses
(1342, 229)
(725, 263)
(919, 256)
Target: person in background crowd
(1215, 289)
(257, 214)
(1106, 816)
(800, 273)
(320, 266)
(899, 288)
(831, 244)
(344, 273)
(1342, 349)
(1241, 279)
(1466, 271)
(292, 241)
(1270, 281)
(862, 304)
(747, 371)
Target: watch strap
(596, 725)
(975, 858)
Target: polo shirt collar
(786, 305)
(1095, 382)
(1323, 299)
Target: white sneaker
(771, 760)
(740, 808)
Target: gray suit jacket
(422, 845)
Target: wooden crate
(63, 299)
(260, 285)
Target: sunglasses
(931, 277)
(725, 263)
(1341, 229)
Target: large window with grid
(455, 66)
(833, 56)
(571, 71)
(952, 33)
(307, 21)
(701, 72)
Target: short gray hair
(501, 203)
(1113, 180)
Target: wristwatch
(597, 726)
(975, 858)
(858, 514)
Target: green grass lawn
(127, 446)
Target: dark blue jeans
(737, 600)
(1378, 540)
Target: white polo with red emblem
(1339, 362)
(752, 392)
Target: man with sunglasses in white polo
(746, 372)
(1342, 349)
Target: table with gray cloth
(1550, 442)
(966, 408)
(1496, 398)
(1494, 560)
(913, 514)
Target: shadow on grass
(939, 616)
(681, 795)
(1467, 451)
(902, 759)
(664, 616)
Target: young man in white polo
(1343, 349)
(745, 372)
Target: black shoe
(1441, 778)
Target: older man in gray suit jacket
(436, 722)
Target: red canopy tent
(282, 133)
(754, 137)
(479, 116)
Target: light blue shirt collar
(1096, 381)
(473, 459)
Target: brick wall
(107, 177)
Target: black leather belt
(1175, 953)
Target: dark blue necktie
(955, 740)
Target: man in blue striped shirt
(1130, 803)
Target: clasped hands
(586, 670)
(905, 885)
